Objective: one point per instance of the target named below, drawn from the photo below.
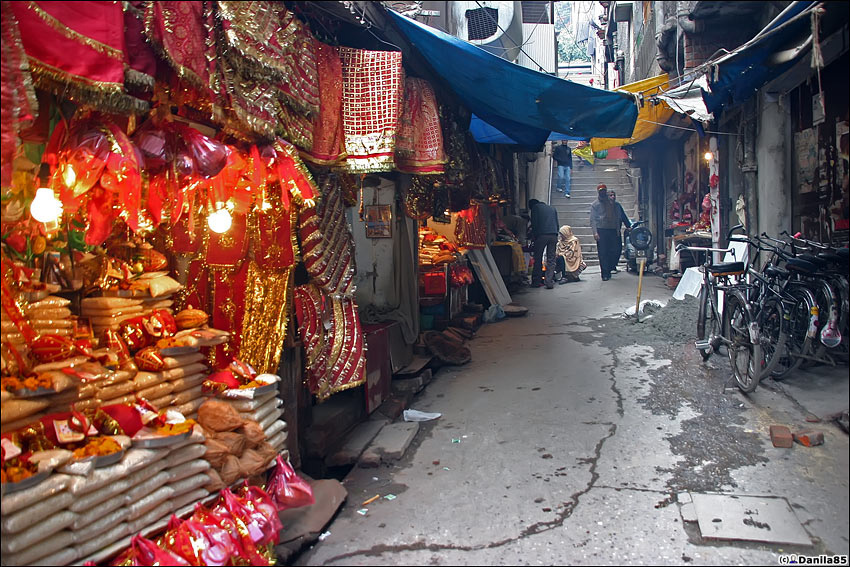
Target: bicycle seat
(727, 269)
(801, 266)
(820, 263)
(844, 254)
(776, 272)
(830, 258)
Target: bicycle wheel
(798, 340)
(744, 353)
(773, 333)
(706, 323)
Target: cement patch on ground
(748, 518)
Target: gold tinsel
(268, 294)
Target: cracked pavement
(578, 432)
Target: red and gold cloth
(18, 104)
(333, 341)
(268, 294)
(327, 245)
(372, 88)
(76, 50)
(267, 42)
(328, 136)
(471, 230)
(419, 142)
(179, 31)
(140, 59)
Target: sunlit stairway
(575, 211)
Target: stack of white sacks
(72, 518)
(177, 385)
(109, 312)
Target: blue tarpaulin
(522, 104)
(737, 76)
(487, 134)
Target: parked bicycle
(728, 322)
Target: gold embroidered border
(162, 51)
(107, 50)
(268, 298)
(103, 95)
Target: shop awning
(523, 104)
(487, 134)
(650, 116)
(735, 77)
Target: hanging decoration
(333, 341)
(328, 136)
(419, 142)
(372, 86)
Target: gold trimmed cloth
(372, 88)
(328, 136)
(333, 341)
(327, 245)
(76, 50)
(268, 293)
(419, 142)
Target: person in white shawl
(568, 260)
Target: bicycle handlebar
(703, 249)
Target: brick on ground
(781, 437)
(809, 437)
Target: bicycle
(733, 326)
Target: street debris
(455, 440)
(324, 535)
(781, 437)
(809, 437)
(363, 511)
(367, 502)
(416, 415)
(390, 497)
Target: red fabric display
(419, 141)
(328, 134)
(327, 245)
(77, 49)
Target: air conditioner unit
(493, 26)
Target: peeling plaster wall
(773, 156)
(374, 256)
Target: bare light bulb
(708, 156)
(45, 207)
(220, 221)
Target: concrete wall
(374, 256)
(773, 157)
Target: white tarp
(687, 99)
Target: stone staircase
(575, 211)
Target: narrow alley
(575, 437)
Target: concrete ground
(574, 437)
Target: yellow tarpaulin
(647, 114)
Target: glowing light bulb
(220, 221)
(708, 156)
(45, 207)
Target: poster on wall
(806, 151)
(379, 221)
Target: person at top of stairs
(563, 155)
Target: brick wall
(700, 46)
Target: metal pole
(640, 288)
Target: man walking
(563, 156)
(605, 222)
(625, 221)
(544, 232)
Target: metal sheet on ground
(749, 518)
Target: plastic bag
(144, 552)
(252, 463)
(193, 542)
(262, 506)
(288, 489)
(253, 434)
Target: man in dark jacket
(563, 156)
(605, 222)
(544, 232)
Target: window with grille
(481, 23)
(535, 12)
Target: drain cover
(749, 518)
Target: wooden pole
(640, 287)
